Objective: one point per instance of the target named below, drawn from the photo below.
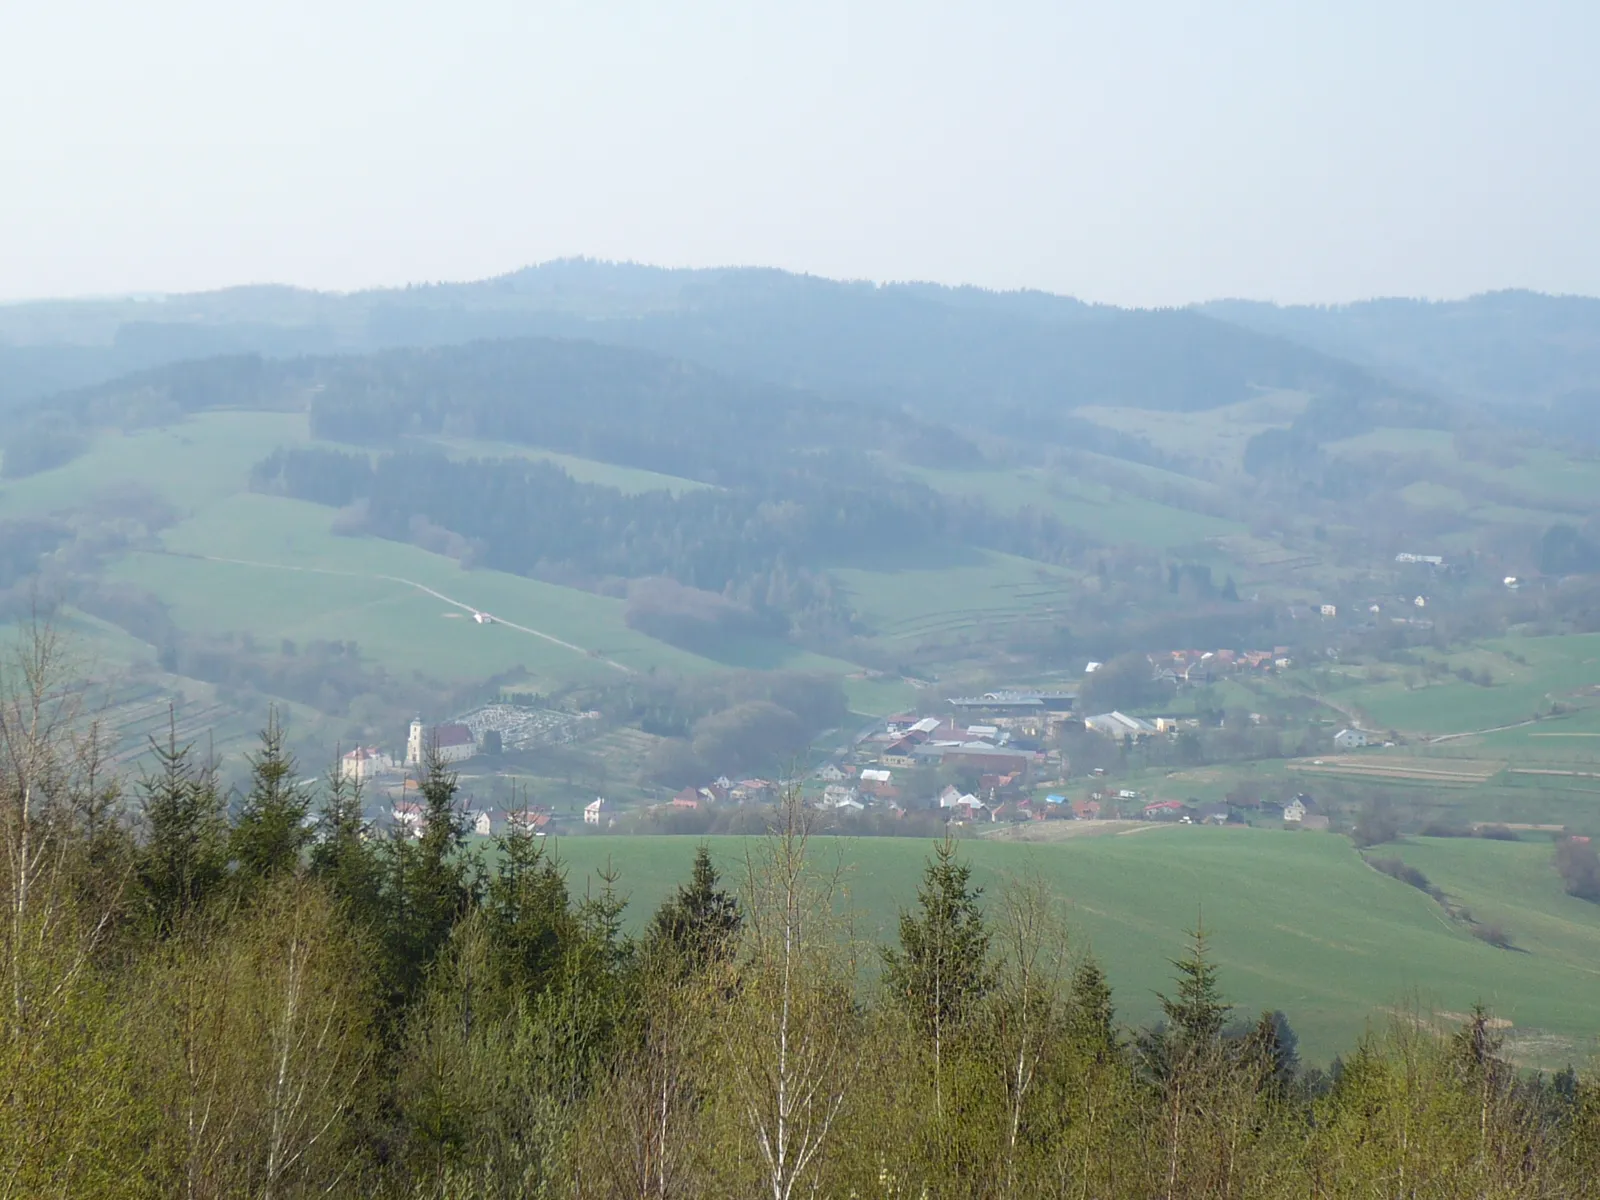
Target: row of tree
(263, 997)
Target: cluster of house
(1202, 666)
(723, 790)
(1300, 812)
(412, 816)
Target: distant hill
(953, 353)
(1514, 350)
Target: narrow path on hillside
(411, 583)
(1450, 737)
(1358, 721)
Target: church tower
(414, 744)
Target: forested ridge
(222, 995)
(948, 348)
(531, 516)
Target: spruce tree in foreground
(530, 922)
(1197, 1013)
(342, 854)
(701, 923)
(184, 858)
(271, 832)
(430, 882)
(941, 969)
(1091, 1012)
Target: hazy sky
(1136, 152)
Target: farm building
(1302, 811)
(979, 755)
(1350, 739)
(594, 812)
(1164, 810)
(1013, 703)
(1117, 725)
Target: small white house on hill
(1350, 739)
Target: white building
(1295, 811)
(840, 795)
(453, 742)
(1116, 724)
(365, 763)
(411, 816)
(595, 810)
(1350, 739)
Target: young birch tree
(790, 1044)
(68, 1122)
(1027, 1003)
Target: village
(1003, 756)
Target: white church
(454, 742)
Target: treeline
(211, 1004)
(758, 541)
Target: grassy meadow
(921, 599)
(298, 580)
(1106, 512)
(1529, 674)
(1297, 920)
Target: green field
(191, 464)
(922, 599)
(1562, 669)
(880, 697)
(1110, 514)
(1298, 922)
(1532, 478)
(1214, 437)
(297, 580)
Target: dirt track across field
(1457, 772)
(1060, 831)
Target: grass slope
(191, 464)
(919, 599)
(315, 584)
(1114, 515)
(1555, 668)
(1298, 922)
